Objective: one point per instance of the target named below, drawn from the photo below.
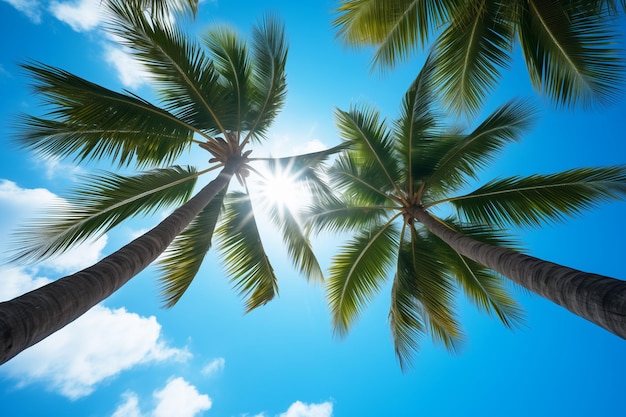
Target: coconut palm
(388, 185)
(220, 95)
(570, 47)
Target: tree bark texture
(30, 318)
(597, 298)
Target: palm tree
(570, 47)
(388, 185)
(221, 95)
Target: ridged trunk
(30, 318)
(597, 298)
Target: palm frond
(88, 122)
(243, 253)
(485, 288)
(405, 319)
(363, 22)
(474, 151)
(99, 205)
(417, 122)
(529, 201)
(183, 258)
(571, 54)
(231, 60)
(269, 85)
(298, 243)
(432, 287)
(301, 167)
(327, 212)
(470, 52)
(409, 25)
(395, 28)
(185, 77)
(406, 315)
(361, 182)
(371, 141)
(357, 273)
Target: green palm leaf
(570, 53)
(371, 140)
(269, 85)
(90, 122)
(328, 212)
(485, 288)
(243, 253)
(298, 244)
(409, 26)
(529, 201)
(432, 288)
(360, 182)
(357, 273)
(184, 256)
(476, 150)
(469, 53)
(395, 27)
(416, 125)
(99, 205)
(231, 60)
(405, 318)
(185, 77)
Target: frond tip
(243, 253)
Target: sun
(281, 188)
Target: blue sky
(130, 358)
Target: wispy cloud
(131, 73)
(54, 167)
(178, 398)
(31, 8)
(23, 204)
(213, 367)
(81, 15)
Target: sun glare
(280, 188)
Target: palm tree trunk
(597, 298)
(32, 317)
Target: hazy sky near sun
(128, 357)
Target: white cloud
(211, 368)
(87, 254)
(130, 407)
(131, 73)
(54, 167)
(99, 345)
(81, 15)
(285, 145)
(178, 398)
(300, 409)
(17, 199)
(31, 8)
(16, 281)
(19, 204)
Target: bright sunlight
(280, 187)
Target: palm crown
(394, 175)
(569, 46)
(220, 94)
